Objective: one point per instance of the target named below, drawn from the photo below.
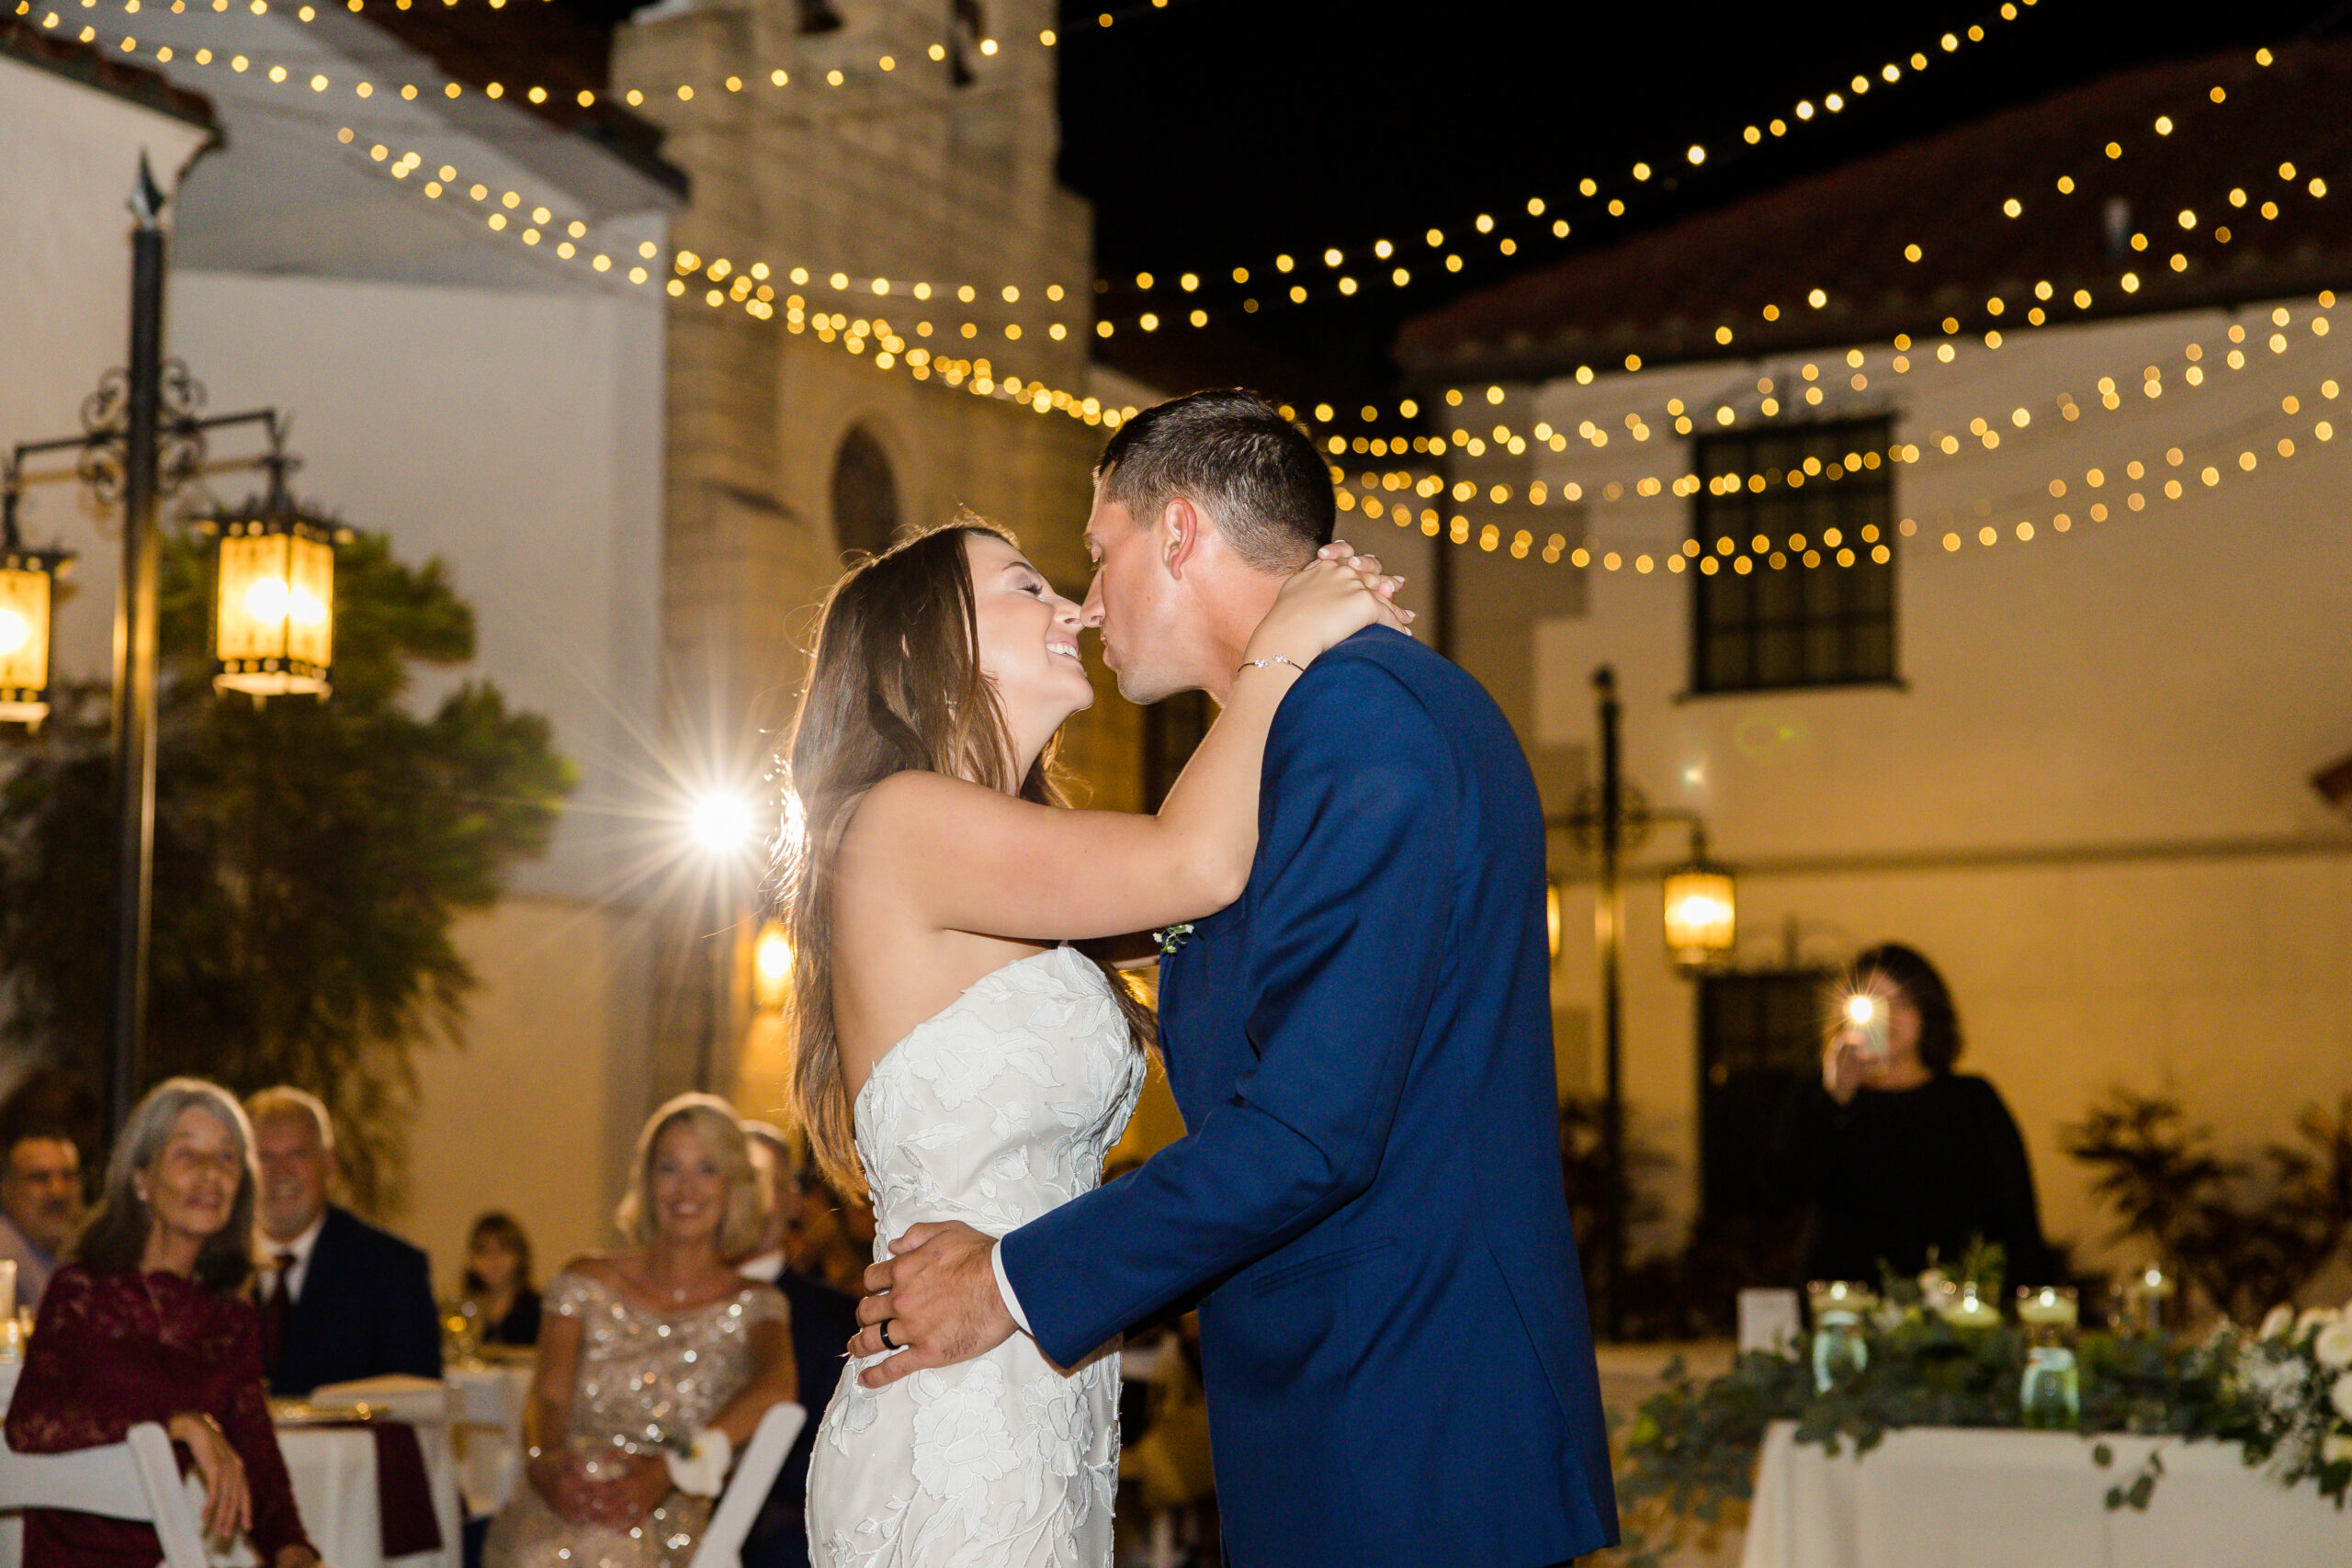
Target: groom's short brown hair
(1233, 453)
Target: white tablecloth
(333, 1473)
(486, 1423)
(1942, 1497)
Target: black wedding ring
(883, 1329)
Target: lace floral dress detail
(645, 1381)
(991, 1113)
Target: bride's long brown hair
(895, 685)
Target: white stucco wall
(69, 156)
(2089, 804)
(517, 438)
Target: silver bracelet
(1262, 663)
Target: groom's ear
(1180, 526)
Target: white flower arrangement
(2294, 1376)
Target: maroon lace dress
(112, 1349)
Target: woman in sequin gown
(641, 1351)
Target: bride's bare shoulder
(919, 806)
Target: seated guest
(655, 1364)
(1899, 1156)
(148, 1321)
(340, 1300)
(498, 1281)
(40, 1205)
(833, 1237)
(823, 1319)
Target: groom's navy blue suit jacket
(1367, 1202)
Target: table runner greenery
(2283, 1394)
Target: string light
(834, 78)
(1399, 276)
(2041, 313)
(1197, 317)
(2186, 475)
(1611, 195)
(755, 289)
(1420, 490)
(319, 81)
(1985, 429)
(815, 278)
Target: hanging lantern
(273, 604)
(1701, 911)
(28, 593)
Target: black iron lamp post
(142, 439)
(1701, 922)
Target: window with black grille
(1800, 523)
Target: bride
(949, 1052)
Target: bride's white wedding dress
(995, 1110)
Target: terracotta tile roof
(92, 67)
(1663, 294)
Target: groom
(1367, 1204)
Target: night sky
(1212, 134)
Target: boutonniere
(1174, 938)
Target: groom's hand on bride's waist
(936, 1299)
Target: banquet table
(1945, 1497)
(333, 1472)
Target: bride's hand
(1331, 598)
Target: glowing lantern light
(27, 589)
(273, 622)
(1701, 911)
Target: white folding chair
(134, 1479)
(722, 1540)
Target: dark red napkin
(404, 1512)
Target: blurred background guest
(498, 1281)
(147, 1320)
(831, 1238)
(340, 1300)
(648, 1352)
(823, 1319)
(1899, 1156)
(40, 1204)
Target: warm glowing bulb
(1860, 1009)
(266, 599)
(15, 631)
(773, 955)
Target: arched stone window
(866, 495)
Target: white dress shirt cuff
(1005, 1288)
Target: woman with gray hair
(150, 1321)
(655, 1363)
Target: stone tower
(810, 414)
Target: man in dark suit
(1367, 1202)
(340, 1300)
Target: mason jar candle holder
(2050, 1397)
(1838, 1307)
(1971, 1308)
(2147, 1294)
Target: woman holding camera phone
(1897, 1154)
